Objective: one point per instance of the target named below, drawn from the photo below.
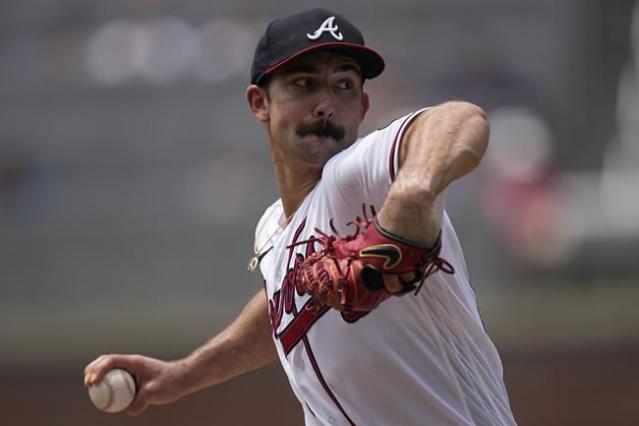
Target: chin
(319, 155)
(317, 150)
(323, 140)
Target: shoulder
(381, 140)
(402, 120)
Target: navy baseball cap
(309, 31)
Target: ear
(258, 102)
(365, 105)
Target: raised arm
(243, 346)
(400, 249)
(442, 144)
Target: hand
(158, 382)
(393, 284)
(356, 273)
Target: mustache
(320, 128)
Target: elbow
(471, 115)
(476, 115)
(473, 127)
(464, 108)
(479, 128)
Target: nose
(325, 107)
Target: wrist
(398, 238)
(196, 372)
(181, 371)
(416, 222)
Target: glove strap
(373, 279)
(394, 237)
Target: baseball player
(366, 300)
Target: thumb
(139, 403)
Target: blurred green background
(132, 176)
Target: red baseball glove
(347, 273)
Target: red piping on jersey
(296, 235)
(330, 393)
(396, 144)
(297, 329)
(304, 320)
(299, 326)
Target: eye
(302, 82)
(345, 84)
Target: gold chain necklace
(260, 253)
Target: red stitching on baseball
(130, 385)
(111, 391)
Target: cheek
(282, 124)
(288, 114)
(355, 120)
(281, 119)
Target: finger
(90, 366)
(392, 284)
(95, 371)
(98, 368)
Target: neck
(295, 180)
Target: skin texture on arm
(442, 144)
(243, 346)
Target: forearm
(443, 144)
(243, 346)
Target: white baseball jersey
(420, 359)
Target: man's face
(315, 105)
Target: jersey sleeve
(369, 166)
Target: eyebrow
(349, 67)
(306, 69)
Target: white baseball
(115, 392)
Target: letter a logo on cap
(327, 26)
